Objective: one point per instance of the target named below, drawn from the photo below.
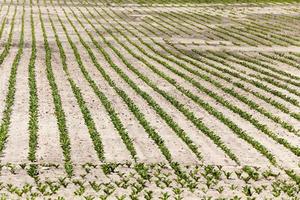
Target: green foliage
(33, 99)
(10, 97)
(59, 112)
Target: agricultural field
(136, 99)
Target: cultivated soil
(149, 101)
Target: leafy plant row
(272, 37)
(243, 78)
(277, 84)
(89, 122)
(59, 112)
(262, 39)
(86, 113)
(275, 38)
(215, 56)
(240, 33)
(289, 59)
(190, 115)
(217, 31)
(221, 100)
(183, 21)
(157, 18)
(4, 20)
(214, 139)
(258, 38)
(132, 107)
(174, 28)
(7, 45)
(254, 30)
(281, 22)
(268, 100)
(276, 27)
(224, 33)
(237, 95)
(10, 97)
(109, 32)
(262, 127)
(33, 98)
(192, 60)
(272, 79)
(283, 59)
(168, 119)
(265, 24)
(211, 32)
(246, 61)
(230, 91)
(104, 100)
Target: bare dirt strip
(156, 101)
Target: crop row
(268, 73)
(253, 82)
(59, 112)
(271, 81)
(8, 43)
(190, 115)
(33, 99)
(4, 20)
(279, 140)
(281, 58)
(225, 103)
(98, 146)
(137, 56)
(220, 31)
(10, 97)
(192, 60)
(132, 107)
(257, 31)
(86, 113)
(248, 63)
(178, 87)
(244, 99)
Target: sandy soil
(17, 143)
(201, 27)
(49, 149)
(5, 70)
